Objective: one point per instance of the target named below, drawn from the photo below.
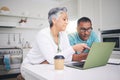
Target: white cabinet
(71, 6)
(105, 14)
(91, 9)
(110, 14)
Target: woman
(53, 40)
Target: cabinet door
(91, 9)
(110, 14)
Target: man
(84, 33)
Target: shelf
(15, 25)
(29, 26)
(19, 27)
(7, 24)
(19, 15)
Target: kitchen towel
(7, 61)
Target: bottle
(59, 62)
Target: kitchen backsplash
(22, 38)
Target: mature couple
(53, 40)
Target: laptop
(98, 56)
(114, 58)
(114, 61)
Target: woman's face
(61, 22)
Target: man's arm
(79, 57)
(75, 57)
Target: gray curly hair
(54, 13)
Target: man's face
(84, 29)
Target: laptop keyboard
(80, 64)
(114, 61)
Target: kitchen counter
(47, 72)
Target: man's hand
(80, 47)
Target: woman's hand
(80, 47)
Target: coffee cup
(59, 62)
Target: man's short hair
(83, 19)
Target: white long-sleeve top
(45, 48)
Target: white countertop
(47, 72)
